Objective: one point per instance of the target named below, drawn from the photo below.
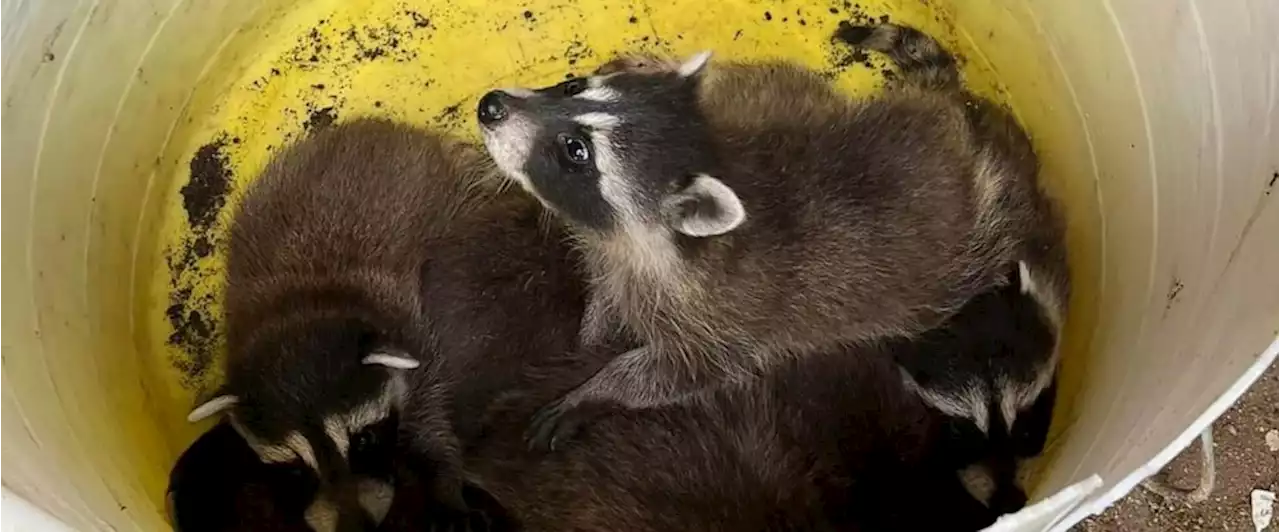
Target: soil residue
(205, 194)
(449, 117)
(841, 56)
(318, 119)
(193, 334)
(191, 318)
(577, 51)
(359, 44)
(419, 21)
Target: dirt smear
(192, 321)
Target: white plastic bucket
(1156, 122)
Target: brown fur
(326, 262)
(937, 198)
(839, 280)
(866, 219)
(405, 227)
(347, 210)
(827, 443)
(1009, 193)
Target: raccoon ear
(706, 207)
(390, 358)
(1025, 282)
(212, 406)
(695, 64)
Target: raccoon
(832, 441)
(994, 373)
(327, 322)
(732, 217)
(835, 441)
(219, 484)
(989, 375)
(829, 442)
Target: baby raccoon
(828, 442)
(325, 315)
(833, 441)
(990, 372)
(733, 216)
(220, 485)
(993, 371)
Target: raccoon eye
(364, 441)
(575, 150)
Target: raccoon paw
(558, 422)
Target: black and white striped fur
(833, 441)
(990, 371)
(993, 371)
(330, 361)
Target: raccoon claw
(549, 426)
(557, 423)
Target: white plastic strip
(1041, 515)
(1153, 466)
(22, 516)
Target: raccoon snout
(493, 107)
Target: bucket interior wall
(130, 128)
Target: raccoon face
(997, 398)
(321, 397)
(626, 151)
(990, 452)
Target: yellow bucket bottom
(328, 61)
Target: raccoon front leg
(431, 447)
(626, 382)
(640, 378)
(599, 323)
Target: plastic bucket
(129, 128)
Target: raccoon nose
(492, 108)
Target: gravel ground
(1244, 460)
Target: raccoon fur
(219, 484)
(824, 443)
(733, 216)
(829, 442)
(331, 353)
(993, 374)
(833, 441)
